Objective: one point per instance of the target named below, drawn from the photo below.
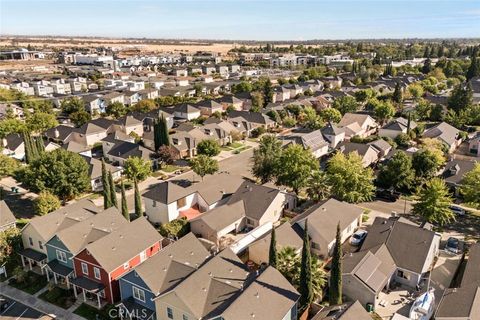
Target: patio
(396, 301)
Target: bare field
(120, 44)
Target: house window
(40, 245)
(30, 241)
(143, 256)
(169, 313)
(315, 246)
(154, 203)
(84, 268)
(185, 317)
(96, 273)
(250, 222)
(138, 294)
(61, 256)
(181, 202)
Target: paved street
(400, 206)
(33, 303)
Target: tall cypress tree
(107, 199)
(28, 146)
(305, 288)
(335, 291)
(40, 145)
(138, 200)
(125, 212)
(474, 69)
(272, 253)
(160, 133)
(113, 194)
(397, 94)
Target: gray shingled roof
(6, 215)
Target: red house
(99, 266)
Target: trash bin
(369, 307)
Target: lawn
(59, 297)
(91, 313)
(171, 168)
(32, 283)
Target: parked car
(387, 195)
(357, 238)
(457, 210)
(453, 245)
(3, 304)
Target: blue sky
(243, 19)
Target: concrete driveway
(443, 273)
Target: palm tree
(289, 264)
(319, 186)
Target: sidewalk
(37, 303)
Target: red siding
(112, 281)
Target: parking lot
(15, 310)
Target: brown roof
(269, 296)
(123, 244)
(173, 264)
(50, 224)
(76, 237)
(346, 311)
(6, 215)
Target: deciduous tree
(434, 203)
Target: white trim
(134, 284)
(95, 274)
(82, 264)
(135, 291)
(87, 262)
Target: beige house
(285, 236)
(40, 229)
(322, 224)
(356, 124)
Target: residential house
(209, 107)
(112, 97)
(14, 146)
(474, 145)
(79, 148)
(333, 134)
(209, 69)
(94, 103)
(396, 127)
(122, 150)
(282, 94)
(130, 125)
(455, 171)
(368, 153)
(167, 201)
(395, 250)
(382, 146)
(230, 101)
(322, 224)
(100, 265)
(269, 296)
(285, 235)
(256, 119)
(220, 132)
(95, 172)
(160, 274)
(356, 124)
(40, 229)
(346, 311)
(445, 133)
(66, 243)
(7, 219)
(131, 97)
(312, 141)
(186, 111)
(149, 93)
(463, 302)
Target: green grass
(60, 297)
(236, 145)
(32, 284)
(171, 168)
(91, 313)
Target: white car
(357, 238)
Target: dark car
(387, 195)
(453, 245)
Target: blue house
(159, 274)
(63, 246)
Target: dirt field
(119, 44)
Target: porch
(33, 260)
(129, 309)
(92, 293)
(60, 274)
